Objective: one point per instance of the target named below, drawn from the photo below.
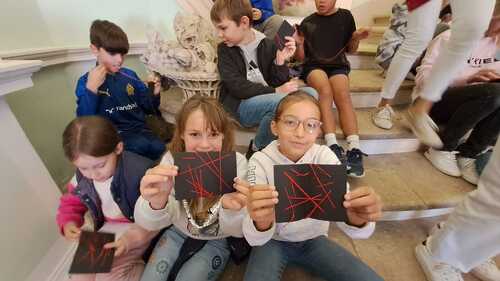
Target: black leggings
(461, 109)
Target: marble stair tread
(371, 80)
(389, 251)
(382, 20)
(408, 181)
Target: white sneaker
(487, 271)
(467, 167)
(382, 117)
(435, 271)
(424, 128)
(444, 161)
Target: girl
(106, 185)
(194, 248)
(304, 242)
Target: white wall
(365, 10)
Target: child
(265, 20)
(252, 70)
(324, 38)
(304, 242)
(106, 185)
(472, 102)
(470, 21)
(117, 93)
(199, 226)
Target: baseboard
(55, 264)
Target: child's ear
(119, 148)
(94, 49)
(274, 128)
(245, 20)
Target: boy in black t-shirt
(323, 38)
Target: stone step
(367, 49)
(382, 20)
(389, 251)
(376, 34)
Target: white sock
(330, 139)
(352, 142)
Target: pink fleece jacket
(482, 57)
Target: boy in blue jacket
(117, 93)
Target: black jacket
(233, 74)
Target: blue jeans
(319, 256)
(143, 143)
(259, 110)
(207, 264)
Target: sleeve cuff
(151, 219)
(255, 237)
(357, 232)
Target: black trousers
(461, 109)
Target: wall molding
(16, 74)
(60, 55)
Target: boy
(323, 38)
(117, 93)
(252, 70)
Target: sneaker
(487, 271)
(382, 117)
(339, 151)
(355, 163)
(444, 161)
(424, 128)
(250, 150)
(468, 169)
(435, 271)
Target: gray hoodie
(260, 171)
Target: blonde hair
(217, 120)
(231, 9)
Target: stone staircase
(410, 187)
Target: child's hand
(256, 14)
(484, 75)
(287, 52)
(71, 231)
(157, 184)
(288, 87)
(95, 78)
(363, 205)
(157, 83)
(236, 200)
(261, 201)
(119, 245)
(361, 34)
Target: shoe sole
(356, 176)
(469, 180)
(426, 154)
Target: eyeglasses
(311, 125)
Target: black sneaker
(250, 150)
(339, 151)
(355, 163)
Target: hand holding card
(285, 30)
(310, 191)
(204, 174)
(157, 184)
(91, 256)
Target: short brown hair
(293, 98)
(109, 36)
(90, 135)
(231, 9)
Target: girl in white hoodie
(194, 246)
(305, 243)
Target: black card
(90, 256)
(285, 29)
(310, 191)
(204, 174)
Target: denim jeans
(259, 110)
(143, 143)
(207, 264)
(320, 256)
